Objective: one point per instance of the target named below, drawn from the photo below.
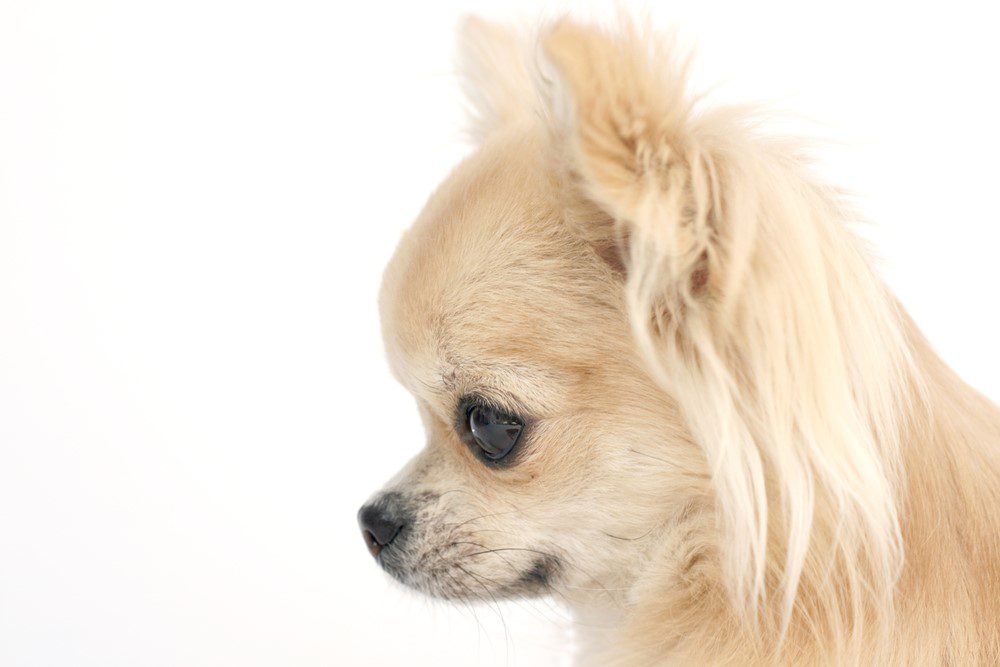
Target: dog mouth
(452, 572)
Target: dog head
(639, 336)
(552, 461)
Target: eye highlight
(492, 432)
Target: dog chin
(457, 581)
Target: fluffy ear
(493, 64)
(626, 124)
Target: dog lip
(539, 575)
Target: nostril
(373, 546)
(379, 527)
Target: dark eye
(494, 432)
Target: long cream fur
(855, 480)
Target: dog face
(551, 459)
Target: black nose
(379, 526)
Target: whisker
(496, 605)
(630, 539)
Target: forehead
(489, 291)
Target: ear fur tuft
(493, 65)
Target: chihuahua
(662, 382)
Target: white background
(196, 202)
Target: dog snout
(381, 523)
